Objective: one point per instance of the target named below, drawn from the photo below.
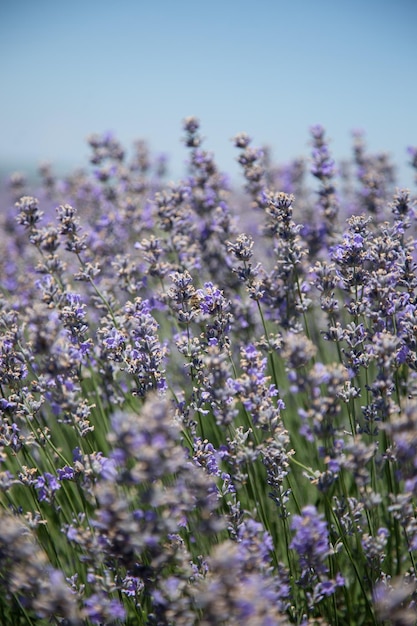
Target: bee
(195, 300)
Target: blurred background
(271, 68)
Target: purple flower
(47, 485)
(29, 212)
(256, 541)
(328, 587)
(77, 455)
(132, 586)
(205, 455)
(66, 473)
(100, 608)
(311, 540)
(254, 390)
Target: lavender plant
(208, 396)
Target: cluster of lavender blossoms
(208, 407)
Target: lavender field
(208, 410)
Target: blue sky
(270, 68)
